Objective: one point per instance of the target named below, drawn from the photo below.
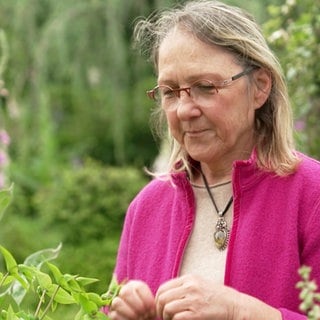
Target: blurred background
(74, 117)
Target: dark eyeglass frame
(217, 84)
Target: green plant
(50, 287)
(84, 208)
(294, 34)
(308, 294)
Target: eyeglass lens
(201, 92)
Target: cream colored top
(201, 256)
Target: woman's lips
(195, 133)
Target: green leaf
(43, 279)
(58, 276)
(60, 295)
(72, 283)
(11, 264)
(86, 281)
(96, 298)
(87, 305)
(12, 269)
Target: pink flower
(4, 137)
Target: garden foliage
(84, 208)
(293, 31)
(88, 202)
(46, 289)
(72, 89)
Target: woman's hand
(191, 297)
(135, 301)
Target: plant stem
(40, 303)
(49, 303)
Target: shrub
(88, 202)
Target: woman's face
(223, 130)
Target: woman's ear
(262, 87)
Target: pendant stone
(221, 234)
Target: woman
(224, 232)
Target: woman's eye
(168, 93)
(206, 87)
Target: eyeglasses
(200, 91)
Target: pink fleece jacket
(276, 229)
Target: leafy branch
(58, 288)
(308, 294)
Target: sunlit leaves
(31, 263)
(50, 287)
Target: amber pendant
(221, 234)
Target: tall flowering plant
(4, 137)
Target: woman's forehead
(183, 53)
(182, 43)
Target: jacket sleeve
(310, 254)
(290, 315)
(120, 270)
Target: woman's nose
(186, 107)
(178, 92)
